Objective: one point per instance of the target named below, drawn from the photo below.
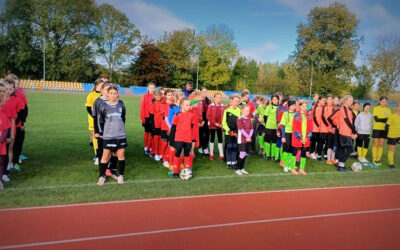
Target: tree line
(82, 40)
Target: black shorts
(345, 141)
(270, 136)
(330, 140)
(164, 135)
(379, 134)
(393, 141)
(260, 129)
(323, 136)
(157, 131)
(244, 147)
(115, 144)
(147, 125)
(182, 146)
(287, 146)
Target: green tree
(213, 70)
(115, 37)
(364, 83)
(217, 51)
(20, 52)
(385, 65)
(57, 25)
(178, 48)
(244, 70)
(327, 46)
(149, 65)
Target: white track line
(128, 182)
(180, 229)
(193, 197)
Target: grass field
(60, 169)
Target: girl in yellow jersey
(393, 134)
(381, 114)
(92, 96)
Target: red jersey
(195, 128)
(21, 94)
(144, 106)
(214, 115)
(245, 129)
(155, 110)
(184, 122)
(9, 109)
(164, 109)
(297, 130)
(4, 126)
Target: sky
(265, 30)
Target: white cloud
(375, 20)
(151, 20)
(261, 53)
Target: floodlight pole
(44, 60)
(312, 70)
(197, 78)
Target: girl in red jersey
(245, 133)
(15, 105)
(173, 110)
(5, 126)
(156, 117)
(214, 116)
(169, 99)
(301, 135)
(182, 124)
(145, 117)
(20, 133)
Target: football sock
(380, 152)
(360, 152)
(176, 166)
(285, 159)
(391, 157)
(273, 150)
(365, 152)
(102, 169)
(267, 149)
(221, 149)
(374, 153)
(303, 162)
(261, 141)
(188, 162)
(95, 146)
(292, 161)
(211, 148)
(121, 167)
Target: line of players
(287, 130)
(13, 114)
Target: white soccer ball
(185, 174)
(356, 167)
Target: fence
(77, 87)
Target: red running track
(365, 217)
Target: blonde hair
(178, 95)
(344, 99)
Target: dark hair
(356, 102)
(245, 92)
(366, 104)
(106, 84)
(151, 83)
(168, 91)
(190, 83)
(383, 97)
(114, 87)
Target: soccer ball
(356, 167)
(186, 174)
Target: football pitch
(60, 168)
